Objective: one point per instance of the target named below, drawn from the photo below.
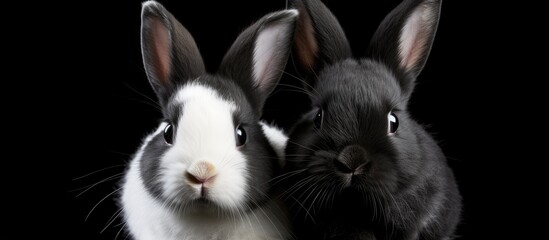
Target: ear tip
(292, 12)
(151, 7)
(150, 4)
(288, 14)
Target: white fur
(205, 132)
(277, 139)
(267, 46)
(139, 207)
(412, 37)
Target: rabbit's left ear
(404, 39)
(170, 54)
(257, 58)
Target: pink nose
(201, 172)
(198, 179)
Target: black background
(107, 105)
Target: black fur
(350, 179)
(237, 63)
(384, 44)
(150, 164)
(185, 60)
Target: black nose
(352, 159)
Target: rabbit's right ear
(404, 39)
(257, 58)
(170, 54)
(319, 39)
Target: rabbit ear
(319, 37)
(404, 39)
(257, 58)
(170, 54)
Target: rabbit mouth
(201, 206)
(203, 203)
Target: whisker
(89, 187)
(120, 153)
(103, 199)
(100, 170)
(111, 220)
(286, 175)
(154, 103)
(314, 199)
(292, 88)
(301, 183)
(271, 221)
(303, 81)
(119, 231)
(302, 146)
(306, 211)
(140, 101)
(325, 197)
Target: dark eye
(318, 119)
(168, 134)
(393, 122)
(240, 136)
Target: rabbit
(357, 165)
(205, 172)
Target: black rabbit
(357, 165)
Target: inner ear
(414, 38)
(160, 56)
(305, 45)
(264, 54)
(271, 51)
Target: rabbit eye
(240, 136)
(393, 122)
(318, 119)
(168, 134)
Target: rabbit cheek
(382, 174)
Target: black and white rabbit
(357, 165)
(205, 172)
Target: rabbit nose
(352, 159)
(201, 172)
